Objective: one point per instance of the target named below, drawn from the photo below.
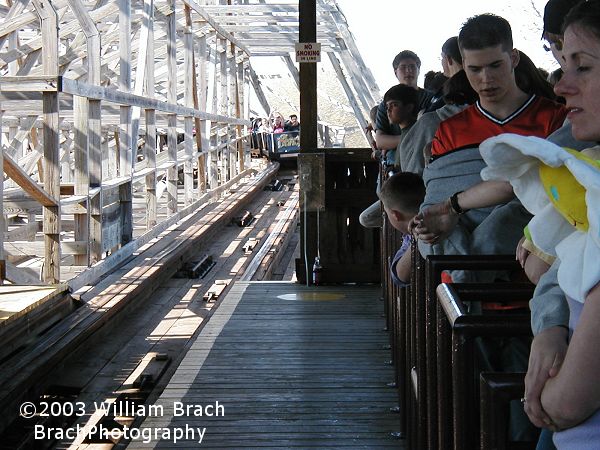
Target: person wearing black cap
(554, 14)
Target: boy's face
(491, 72)
(398, 219)
(407, 72)
(398, 112)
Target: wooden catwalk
(283, 365)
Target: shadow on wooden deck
(291, 366)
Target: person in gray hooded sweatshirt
(411, 154)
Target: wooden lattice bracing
(106, 101)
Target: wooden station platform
(17, 300)
(292, 366)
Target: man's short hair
(403, 192)
(402, 93)
(485, 30)
(293, 115)
(405, 54)
(450, 49)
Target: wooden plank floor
(293, 367)
(16, 301)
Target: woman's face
(580, 84)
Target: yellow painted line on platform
(312, 296)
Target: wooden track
(23, 377)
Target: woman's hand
(547, 353)
(573, 395)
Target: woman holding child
(562, 189)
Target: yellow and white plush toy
(561, 188)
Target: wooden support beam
(23, 232)
(84, 134)
(36, 248)
(246, 104)
(308, 80)
(15, 22)
(15, 11)
(51, 271)
(338, 19)
(352, 73)
(126, 208)
(127, 142)
(14, 171)
(73, 87)
(358, 113)
(125, 138)
(80, 153)
(150, 154)
(220, 30)
(30, 60)
(30, 83)
(212, 128)
(16, 143)
(224, 137)
(17, 151)
(172, 176)
(150, 116)
(232, 134)
(292, 69)
(95, 180)
(262, 98)
(140, 73)
(188, 173)
(2, 225)
(308, 137)
(239, 112)
(49, 26)
(201, 134)
(66, 30)
(93, 176)
(21, 275)
(22, 175)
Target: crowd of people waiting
(493, 159)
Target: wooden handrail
(458, 330)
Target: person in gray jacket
(411, 152)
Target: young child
(401, 196)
